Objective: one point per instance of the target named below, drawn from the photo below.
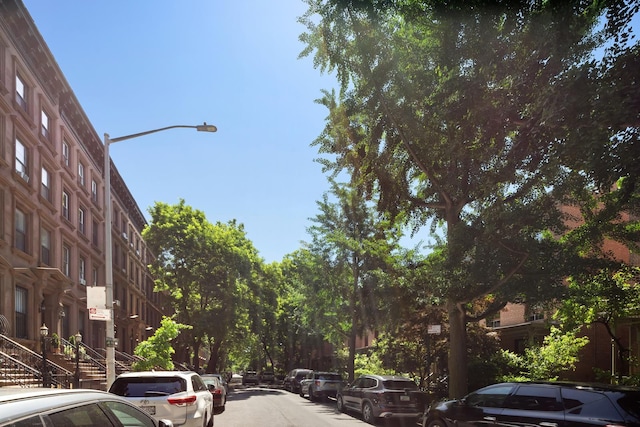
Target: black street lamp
(44, 331)
(76, 382)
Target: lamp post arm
(202, 128)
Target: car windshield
(631, 403)
(147, 387)
(400, 385)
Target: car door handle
(544, 424)
(492, 419)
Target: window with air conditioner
(22, 160)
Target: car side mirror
(211, 387)
(165, 423)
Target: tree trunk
(458, 382)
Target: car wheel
(434, 423)
(367, 413)
(210, 422)
(301, 392)
(340, 404)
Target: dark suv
(381, 396)
(540, 404)
(292, 381)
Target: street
(273, 407)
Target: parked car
(223, 381)
(381, 396)
(292, 380)
(540, 404)
(215, 386)
(267, 377)
(250, 377)
(181, 396)
(319, 385)
(63, 407)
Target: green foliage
(470, 120)
(557, 354)
(370, 363)
(352, 245)
(156, 351)
(211, 273)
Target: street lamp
(108, 243)
(44, 331)
(78, 338)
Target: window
(81, 220)
(22, 158)
(491, 397)
(94, 191)
(65, 205)
(85, 415)
(535, 398)
(44, 124)
(94, 233)
(45, 246)
(21, 231)
(45, 189)
(95, 276)
(21, 312)
(66, 260)
(81, 271)
(66, 154)
(81, 179)
(21, 92)
(129, 416)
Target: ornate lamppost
(76, 378)
(44, 331)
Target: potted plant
(55, 343)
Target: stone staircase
(20, 366)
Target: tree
(206, 270)
(355, 245)
(156, 351)
(457, 114)
(557, 354)
(606, 297)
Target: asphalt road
(273, 407)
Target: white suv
(181, 397)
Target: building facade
(52, 206)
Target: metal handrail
(90, 354)
(59, 376)
(11, 364)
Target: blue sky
(146, 64)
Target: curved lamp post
(108, 243)
(44, 331)
(78, 339)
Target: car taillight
(182, 401)
(318, 382)
(217, 391)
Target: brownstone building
(52, 207)
(519, 324)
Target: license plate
(404, 398)
(151, 410)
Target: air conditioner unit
(23, 175)
(124, 236)
(83, 282)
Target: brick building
(52, 207)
